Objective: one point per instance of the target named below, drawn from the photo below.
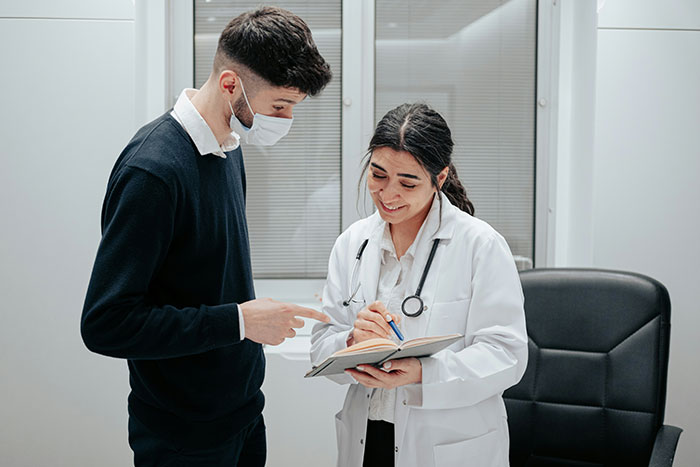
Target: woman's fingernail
(387, 365)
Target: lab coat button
(362, 441)
(404, 402)
(396, 449)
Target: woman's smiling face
(400, 187)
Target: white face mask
(265, 131)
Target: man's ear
(442, 176)
(228, 81)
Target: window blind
(474, 61)
(293, 188)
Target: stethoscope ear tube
(362, 249)
(346, 303)
(427, 266)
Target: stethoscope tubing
(415, 296)
(354, 272)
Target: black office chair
(594, 391)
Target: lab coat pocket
(482, 451)
(449, 317)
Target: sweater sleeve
(118, 319)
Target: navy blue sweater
(173, 262)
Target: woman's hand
(371, 323)
(393, 374)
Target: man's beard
(240, 108)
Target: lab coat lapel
(433, 228)
(417, 327)
(371, 262)
(441, 226)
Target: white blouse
(391, 291)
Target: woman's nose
(389, 193)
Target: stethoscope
(412, 306)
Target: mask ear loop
(245, 96)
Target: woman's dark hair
(277, 46)
(423, 133)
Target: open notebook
(377, 351)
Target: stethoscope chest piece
(412, 306)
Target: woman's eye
(379, 176)
(407, 186)
(278, 108)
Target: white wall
(572, 168)
(67, 111)
(643, 183)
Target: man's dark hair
(276, 45)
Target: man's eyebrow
(400, 175)
(288, 101)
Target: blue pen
(394, 327)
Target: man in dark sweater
(172, 287)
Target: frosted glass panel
(293, 187)
(474, 61)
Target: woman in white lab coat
(447, 409)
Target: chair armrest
(665, 446)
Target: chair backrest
(594, 390)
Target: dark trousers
(248, 448)
(379, 444)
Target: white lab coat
(456, 417)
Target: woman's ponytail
(455, 192)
